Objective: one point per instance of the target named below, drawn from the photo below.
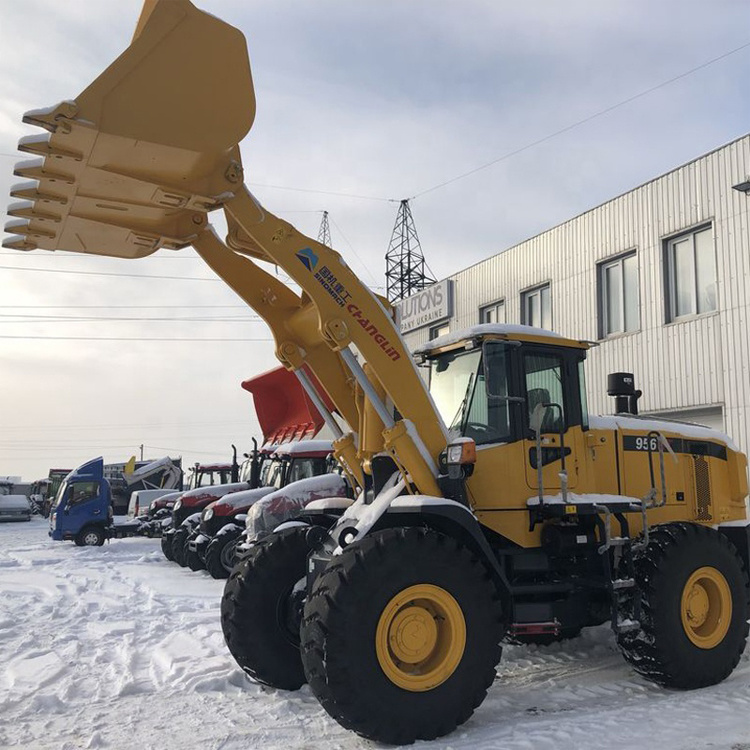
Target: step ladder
(619, 569)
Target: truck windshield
(467, 406)
(60, 494)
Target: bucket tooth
(30, 191)
(16, 242)
(24, 228)
(28, 210)
(41, 145)
(37, 170)
(49, 117)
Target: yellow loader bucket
(135, 161)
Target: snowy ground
(114, 647)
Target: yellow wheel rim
(706, 607)
(420, 638)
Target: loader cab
(487, 387)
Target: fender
(452, 519)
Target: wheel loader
(490, 504)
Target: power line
(591, 117)
(323, 192)
(103, 273)
(108, 318)
(118, 307)
(121, 338)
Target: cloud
(382, 99)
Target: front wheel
(91, 536)
(166, 544)
(262, 607)
(220, 552)
(179, 545)
(401, 635)
(695, 607)
(192, 557)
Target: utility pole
(324, 233)
(141, 451)
(405, 269)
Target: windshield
(468, 407)
(246, 470)
(273, 475)
(60, 494)
(304, 468)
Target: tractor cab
(83, 502)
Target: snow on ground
(115, 647)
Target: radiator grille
(702, 489)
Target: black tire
(346, 650)
(220, 553)
(192, 557)
(665, 650)
(166, 545)
(260, 616)
(90, 536)
(179, 545)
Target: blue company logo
(308, 258)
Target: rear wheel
(695, 607)
(220, 552)
(401, 635)
(179, 545)
(262, 606)
(166, 545)
(90, 536)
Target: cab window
(544, 385)
(81, 492)
(304, 468)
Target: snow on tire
(220, 552)
(401, 635)
(695, 606)
(261, 609)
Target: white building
(659, 277)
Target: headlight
(461, 453)
(153, 505)
(208, 514)
(454, 454)
(178, 505)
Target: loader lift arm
(137, 161)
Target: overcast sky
(384, 100)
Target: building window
(691, 274)
(494, 313)
(619, 299)
(436, 331)
(536, 307)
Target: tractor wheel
(695, 606)
(90, 536)
(401, 635)
(220, 553)
(262, 608)
(179, 545)
(166, 545)
(193, 558)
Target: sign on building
(426, 307)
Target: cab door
(550, 378)
(84, 504)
